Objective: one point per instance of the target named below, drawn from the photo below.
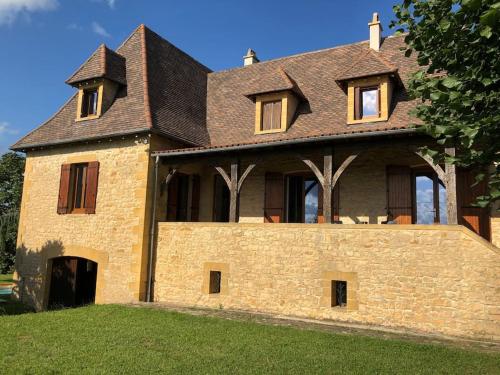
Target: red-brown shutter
(321, 217)
(195, 198)
(273, 201)
(399, 199)
(91, 188)
(173, 188)
(476, 219)
(63, 200)
(357, 103)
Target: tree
(457, 46)
(11, 186)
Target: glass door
(430, 199)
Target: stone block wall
(113, 236)
(426, 278)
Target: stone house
(291, 186)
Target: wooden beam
(170, 175)
(245, 175)
(342, 168)
(437, 168)
(451, 189)
(327, 185)
(313, 168)
(233, 190)
(224, 175)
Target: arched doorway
(72, 282)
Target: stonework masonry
(113, 236)
(425, 278)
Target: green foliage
(11, 186)
(457, 45)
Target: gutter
(292, 142)
(152, 233)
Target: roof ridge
(145, 77)
(103, 62)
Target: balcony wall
(436, 278)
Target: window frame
(72, 190)
(289, 103)
(82, 90)
(355, 89)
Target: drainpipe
(152, 230)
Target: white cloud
(6, 129)
(99, 30)
(10, 9)
(110, 3)
(74, 26)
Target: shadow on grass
(9, 306)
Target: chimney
(375, 32)
(250, 58)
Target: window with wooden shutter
(273, 201)
(78, 188)
(91, 188)
(172, 198)
(399, 197)
(64, 182)
(271, 115)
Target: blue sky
(43, 41)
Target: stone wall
(113, 236)
(425, 278)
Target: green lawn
(117, 339)
(6, 278)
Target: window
(367, 102)
(90, 99)
(303, 199)
(369, 99)
(89, 103)
(221, 200)
(215, 281)
(339, 293)
(271, 115)
(183, 198)
(78, 188)
(274, 112)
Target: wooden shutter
(357, 103)
(64, 182)
(173, 188)
(273, 201)
(476, 219)
(399, 198)
(276, 124)
(195, 198)
(321, 217)
(267, 113)
(91, 188)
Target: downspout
(152, 232)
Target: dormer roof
(273, 81)
(367, 63)
(103, 63)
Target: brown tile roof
(170, 93)
(165, 93)
(230, 114)
(103, 63)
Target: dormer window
(274, 112)
(89, 101)
(367, 102)
(271, 115)
(369, 99)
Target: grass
(6, 278)
(118, 339)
